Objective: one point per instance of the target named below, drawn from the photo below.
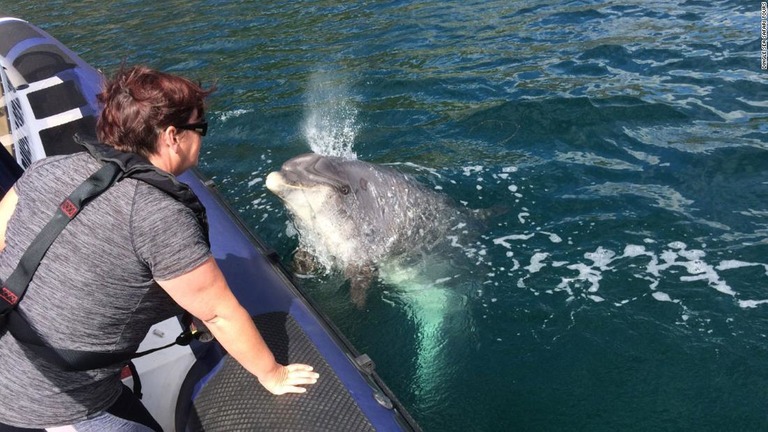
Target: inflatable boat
(48, 96)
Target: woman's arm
(7, 207)
(204, 293)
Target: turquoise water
(622, 281)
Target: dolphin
(354, 215)
(367, 219)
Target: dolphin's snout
(275, 181)
(306, 171)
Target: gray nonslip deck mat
(233, 400)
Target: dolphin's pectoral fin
(360, 278)
(304, 263)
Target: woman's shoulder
(57, 170)
(151, 199)
(62, 161)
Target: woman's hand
(287, 379)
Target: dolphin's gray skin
(354, 215)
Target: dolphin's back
(396, 213)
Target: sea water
(621, 279)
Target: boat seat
(42, 62)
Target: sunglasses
(199, 127)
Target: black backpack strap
(16, 285)
(77, 360)
(13, 289)
(66, 359)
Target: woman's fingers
(294, 376)
(301, 374)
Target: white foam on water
(469, 170)
(660, 266)
(537, 262)
(749, 304)
(586, 273)
(226, 115)
(554, 238)
(504, 240)
(735, 264)
(693, 262)
(664, 297)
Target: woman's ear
(169, 138)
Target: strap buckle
(185, 338)
(191, 333)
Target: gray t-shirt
(94, 290)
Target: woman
(131, 258)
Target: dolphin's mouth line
(307, 186)
(296, 186)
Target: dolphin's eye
(344, 189)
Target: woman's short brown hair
(139, 102)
